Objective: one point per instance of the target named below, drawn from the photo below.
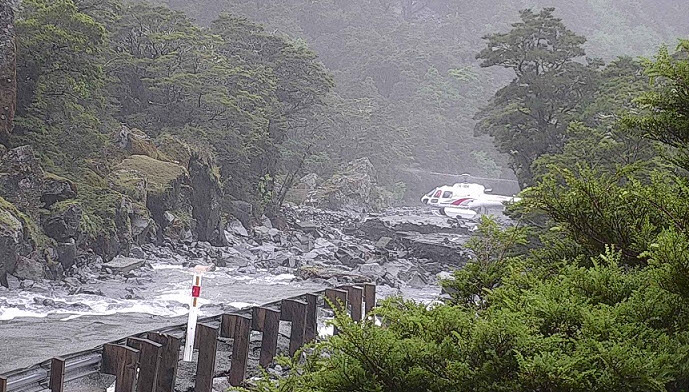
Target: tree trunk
(8, 70)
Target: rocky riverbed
(404, 251)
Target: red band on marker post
(195, 291)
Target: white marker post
(193, 316)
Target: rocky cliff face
(47, 225)
(8, 69)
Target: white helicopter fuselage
(466, 200)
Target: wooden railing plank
(355, 298)
(208, 348)
(169, 359)
(295, 312)
(122, 361)
(311, 330)
(369, 297)
(149, 362)
(240, 350)
(339, 301)
(269, 341)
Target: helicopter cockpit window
(447, 195)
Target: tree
(529, 117)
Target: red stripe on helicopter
(462, 201)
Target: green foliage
(493, 249)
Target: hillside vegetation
(408, 83)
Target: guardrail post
(369, 297)
(122, 362)
(240, 350)
(149, 362)
(311, 329)
(169, 358)
(355, 299)
(57, 374)
(294, 312)
(3, 384)
(339, 301)
(205, 367)
(267, 321)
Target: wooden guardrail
(148, 362)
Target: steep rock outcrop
(168, 189)
(17, 239)
(21, 179)
(206, 201)
(24, 183)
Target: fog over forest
(395, 195)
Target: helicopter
(466, 200)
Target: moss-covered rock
(56, 189)
(174, 149)
(160, 176)
(21, 179)
(168, 186)
(63, 220)
(111, 222)
(131, 183)
(136, 142)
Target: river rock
(235, 227)
(349, 258)
(384, 243)
(123, 265)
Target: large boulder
(29, 269)
(63, 221)
(174, 149)
(56, 189)
(112, 222)
(241, 210)
(129, 182)
(354, 188)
